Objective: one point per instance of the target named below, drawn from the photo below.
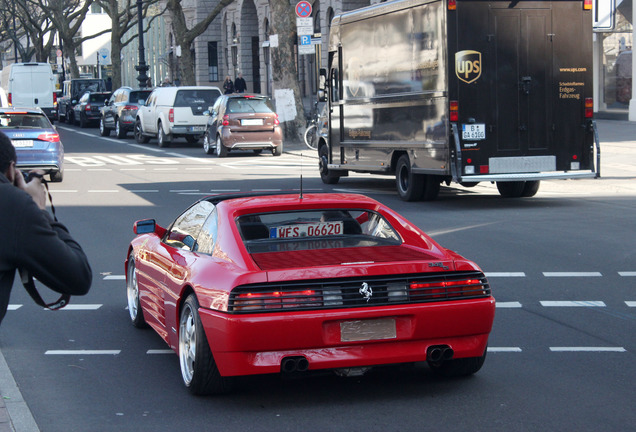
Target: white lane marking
(98, 169)
(165, 169)
(266, 190)
(572, 274)
(54, 191)
(631, 303)
(160, 351)
(505, 274)
(82, 352)
(587, 349)
(503, 349)
(572, 304)
(224, 190)
(115, 277)
(143, 190)
(14, 307)
(76, 307)
(627, 273)
(132, 169)
(103, 191)
(156, 150)
(184, 190)
(508, 305)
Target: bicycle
(311, 133)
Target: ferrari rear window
(315, 229)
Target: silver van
(173, 112)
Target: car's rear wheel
(163, 139)
(103, 130)
(139, 135)
(278, 150)
(120, 132)
(221, 150)
(458, 367)
(57, 177)
(132, 293)
(198, 369)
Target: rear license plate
(251, 122)
(197, 129)
(362, 330)
(475, 131)
(22, 143)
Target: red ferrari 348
(251, 284)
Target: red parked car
(252, 284)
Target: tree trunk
(284, 70)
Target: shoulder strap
(29, 285)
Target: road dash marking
(82, 352)
(103, 191)
(505, 274)
(76, 307)
(550, 303)
(160, 351)
(631, 303)
(587, 349)
(627, 273)
(572, 274)
(115, 277)
(508, 305)
(13, 307)
(503, 349)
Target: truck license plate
(475, 131)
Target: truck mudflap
(456, 164)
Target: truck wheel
(431, 188)
(410, 187)
(163, 139)
(511, 189)
(531, 188)
(327, 177)
(139, 135)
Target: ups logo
(468, 65)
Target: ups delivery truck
(466, 91)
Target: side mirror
(144, 226)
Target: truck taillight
(589, 107)
(9, 99)
(454, 111)
(171, 115)
(54, 98)
(587, 4)
(226, 120)
(452, 4)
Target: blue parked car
(36, 141)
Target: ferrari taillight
(276, 300)
(447, 289)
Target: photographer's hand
(35, 188)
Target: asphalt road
(562, 266)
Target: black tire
(82, 121)
(531, 188)
(139, 136)
(432, 185)
(57, 177)
(221, 150)
(192, 139)
(458, 367)
(120, 132)
(327, 176)
(511, 189)
(163, 139)
(70, 117)
(278, 150)
(410, 187)
(103, 130)
(198, 368)
(208, 146)
(132, 295)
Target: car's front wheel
(221, 150)
(198, 369)
(208, 147)
(120, 132)
(139, 134)
(132, 293)
(103, 130)
(163, 139)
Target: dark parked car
(73, 89)
(88, 109)
(120, 111)
(243, 122)
(36, 141)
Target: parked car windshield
(99, 97)
(139, 96)
(315, 229)
(249, 105)
(24, 121)
(188, 98)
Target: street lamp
(142, 68)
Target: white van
(31, 85)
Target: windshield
(315, 229)
(24, 121)
(189, 98)
(248, 105)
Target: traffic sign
(303, 9)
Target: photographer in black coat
(32, 240)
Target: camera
(28, 176)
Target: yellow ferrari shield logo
(468, 65)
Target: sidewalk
(15, 415)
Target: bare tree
(285, 76)
(12, 31)
(123, 14)
(184, 36)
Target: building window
(213, 62)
